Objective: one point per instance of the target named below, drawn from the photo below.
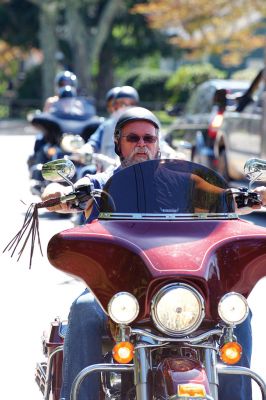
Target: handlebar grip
(49, 203)
(247, 199)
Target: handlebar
(77, 199)
(83, 193)
(246, 198)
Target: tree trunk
(87, 43)
(78, 38)
(104, 27)
(48, 42)
(105, 78)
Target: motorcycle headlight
(123, 308)
(233, 308)
(177, 309)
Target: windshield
(165, 188)
(79, 108)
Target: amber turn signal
(191, 390)
(123, 352)
(231, 352)
(51, 151)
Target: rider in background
(65, 86)
(62, 79)
(118, 99)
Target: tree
(81, 25)
(201, 27)
(88, 35)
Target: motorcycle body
(171, 265)
(72, 115)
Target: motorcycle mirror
(71, 143)
(58, 170)
(255, 170)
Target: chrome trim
(194, 339)
(164, 217)
(40, 375)
(161, 293)
(92, 368)
(210, 362)
(236, 370)
(142, 370)
(48, 375)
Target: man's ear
(116, 143)
(117, 148)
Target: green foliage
(4, 111)
(187, 77)
(19, 23)
(3, 85)
(149, 83)
(31, 86)
(164, 118)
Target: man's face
(123, 102)
(138, 142)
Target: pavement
(16, 127)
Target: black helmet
(67, 91)
(128, 92)
(66, 78)
(130, 115)
(110, 95)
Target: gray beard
(127, 162)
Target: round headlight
(233, 308)
(123, 308)
(177, 309)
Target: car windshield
(166, 189)
(73, 108)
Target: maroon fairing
(142, 256)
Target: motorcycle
(160, 266)
(73, 115)
(86, 161)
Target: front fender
(171, 372)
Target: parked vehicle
(241, 134)
(73, 115)
(202, 116)
(156, 262)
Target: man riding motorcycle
(136, 139)
(62, 79)
(65, 86)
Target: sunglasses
(133, 138)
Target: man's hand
(54, 190)
(261, 190)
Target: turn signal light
(191, 390)
(123, 352)
(231, 352)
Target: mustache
(140, 150)
(137, 150)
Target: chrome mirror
(59, 170)
(255, 170)
(71, 143)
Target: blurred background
(162, 48)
